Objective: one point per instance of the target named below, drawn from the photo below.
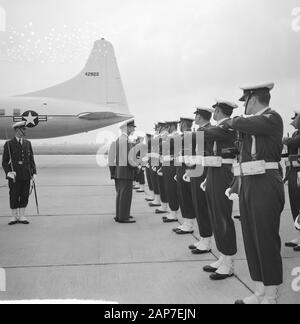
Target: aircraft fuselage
(56, 118)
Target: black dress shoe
(13, 223)
(175, 230)
(181, 232)
(239, 302)
(149, 199)
(218, 277)
(140, 191)
(200, 252)
(238, 217)
(168, 221)
(154, 205)
(128, 221)
(192, 247)
(297, 249)
(291, 245)
(209, 269)
(24, 222)
(117, 220)
(160, 212)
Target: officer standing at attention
(203, 117)
(124, 174)
(169, 172)
(19, 166)
(219, 179)
(184, 187)
(150, 196)
(262, 196)
(140, 174)
(161, 183)
(293, 174)
(112, 162)
(154, 163)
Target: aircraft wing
(103, 115)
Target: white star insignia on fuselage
(30, 119)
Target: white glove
(298, 179)
(175, 178)
(203, 185)
(160, 174)
(297, 223)
(12, 175)
(231, 196)
(145, 159)
(186, 178)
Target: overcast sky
(173, 54)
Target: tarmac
(74, 250)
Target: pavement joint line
(104, 264)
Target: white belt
(254, 168)
(154, 155)
(293, 164)
(272, 166)
(228, 161)
(168, 158)
(193, 160)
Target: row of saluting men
(253, 174)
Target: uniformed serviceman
(140, 174)
(219, 179)
(293, 174)
(203, 118)
(154, 164)
(161, 183)
(150, 196)
(19, 166)
(262, 196)
(184, 187)
(169, 172)
(124, 174)
(112, 162)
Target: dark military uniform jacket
(293, 144)
(112, 160)
(224, 138)
(22, 159)
(124, 169)
(268, 129)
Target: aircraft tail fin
(99, 82)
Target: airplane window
(17, 112)
(2, 112)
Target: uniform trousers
(262, 201)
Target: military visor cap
(224, 104)
(187, 119)
(265, 88)
(18, 125)
(199, 110)
(129, 123)
(173, 123)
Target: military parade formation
(198, 173)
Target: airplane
(92, 100)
